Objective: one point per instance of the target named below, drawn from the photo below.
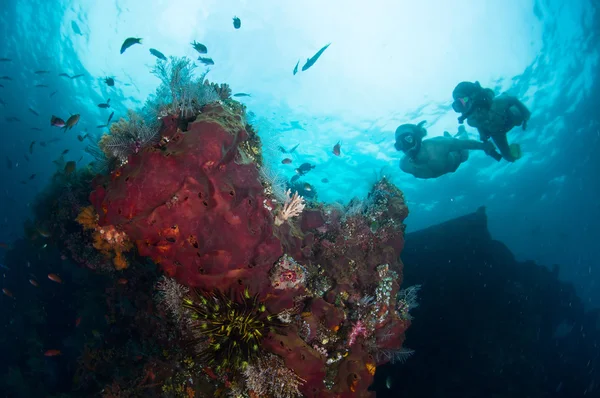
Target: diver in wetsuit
(436, 156)
(492, 116)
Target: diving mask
(461, 104)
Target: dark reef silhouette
(488, 325)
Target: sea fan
(180, 92)
(128, 137)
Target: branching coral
(406, 301)
(223, 90)
(128, 137)
(170, 295)
(269, 377)
(292, 207)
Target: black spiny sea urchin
(228, 332)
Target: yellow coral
(88, 218)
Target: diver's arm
(460, 145)
(454, 144)
(418, 170)
(526, 113)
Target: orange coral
(88, 218)
(107, 239)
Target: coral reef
(261, 293)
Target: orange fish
(336, 149)
(4, 245)
(286, 161)
(122, 281)
(33, 282)
(52, 353)
(7, 292)
(54, 278)
(77, 321)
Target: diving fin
(515, 151)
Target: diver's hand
(489, 148)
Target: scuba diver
(436, 156)
(492, 116)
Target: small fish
(311, 61)
(110, 82)
(5, 59)
(305, 168)
(110, 118)
(80, 159)
(324, 180)
(77, 321)
(43, 144)
(75, 28)
(70, 167)
(41, 72)
(63, 74)
(295, 178)
(77, 76)
(158, 54)
(7, 292)
(26, 157)
(1, 85)
(336, 149)
(286, 161)
(206, 60)
(71, 122)
(105, 105)
(283, 150)
(65, 151)
(81, 138)
(4, 267)
(31, 147)
(241, 95)
(31, 177)
(34, 282)
(2, 102)
(52, 353)
(56, 121)
(296, 67)
(33, 111)
(11, 119)
(307, 187)
(237, 23)
(101, 126)
(201, 48)
(41, 85)
(36, 129)
(122, 281)
(5, 78)
(8, 163)
(4, 245)
(23, 182)
(55, 278)
(52, 93)
(130, 41)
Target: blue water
(388, 64)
